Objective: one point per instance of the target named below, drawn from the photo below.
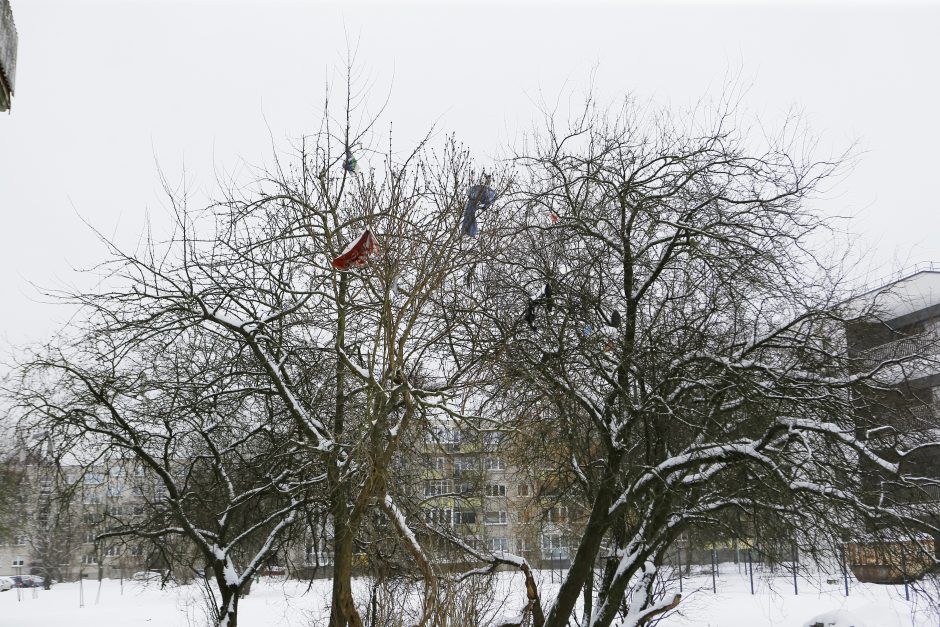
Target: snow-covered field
(294, 604)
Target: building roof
(911, 292)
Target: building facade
(62, 511)
(898, 332)
(8, 46)
(474, 488)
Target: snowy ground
(291, 604)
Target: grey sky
(107, 90)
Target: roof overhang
(900, 298)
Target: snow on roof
(901, 297)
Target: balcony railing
(925, 413)
(923, 344)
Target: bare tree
(239, 343)
(673, 337)
(184, 424)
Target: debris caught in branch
(479, 198)
(350, 164)
(358, 252)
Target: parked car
(21, 581)
(6, 583)
(37, 580)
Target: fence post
(679, 559)
(845, 571)
(796, 565)
(750, 564)
(714, 587)
(907, 593)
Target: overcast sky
(108, 90)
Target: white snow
(837, 618)
(276, 603)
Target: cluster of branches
(683, 359)
(642, 301)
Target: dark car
(21, 582)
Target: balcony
(8, 46)
(907, 427)
(920, 345)
(925, 413)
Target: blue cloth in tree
(479, 198)
(350, 164)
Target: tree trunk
(583, 563)
(588, 595)
(228, 612)
(343, 611)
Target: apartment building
(463, 479)
(63, 509)
(897, 330)
(900, 329)
(473, 488)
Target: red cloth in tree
(358, 252)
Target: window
(21, 540)
(442, 516)
(160, 492)
(138, 510)
(498, 544)
(466, 464)
(116, 510)
(71, 478)
(45, 487)
(94, 478)
(521, 545)
(89, 537)
(495, 518)
(465, 518)
(444, 435)
(553, 547)
(139, 471)
(137, 550)
(115, 491)
(557, 514)
(522, 489)
(89, 518)
(439, 463)
(495, 489)
(92, 498)
(89, 558)
(18, 561)
(137, 491)
(492, 438)
(113, 551)
(437, 487)
(494, 463)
